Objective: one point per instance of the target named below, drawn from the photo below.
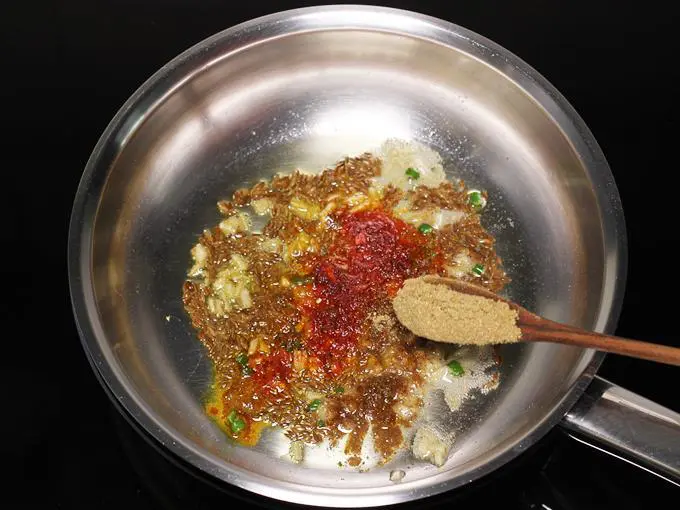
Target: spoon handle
(538, 329)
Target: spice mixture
(298, 318)
(452, 316)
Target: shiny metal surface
(302, 89)
(640, 429)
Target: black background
(69, 65)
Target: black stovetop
(69, 64)
(129, 471)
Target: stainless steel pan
(302, 89)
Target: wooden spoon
(538, 329)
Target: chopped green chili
(314, 405)
(476, 199)
(455, 368)
(412, 173)
(242, 360)
(236, 422)
(320, 423)
(302, 280)
(425, 228)
(478, 270)
(339, 389)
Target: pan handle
(632, 426)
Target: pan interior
(305, 100)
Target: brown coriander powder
(437, 312)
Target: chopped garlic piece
(304, 209)
(361, 201)
(447, 217)
(376, 193)
(200, 255)
(398, 156)
(397, 475)
(246, 301)
(463, 264)
(231, 288)
(356, 199)
(313, 395)
(252, 346)
(262, 206)
(239, 222)
(271, 244)
(301, 244)
(296, 451)
(436, 218)
(431, 446)
(215, 306)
